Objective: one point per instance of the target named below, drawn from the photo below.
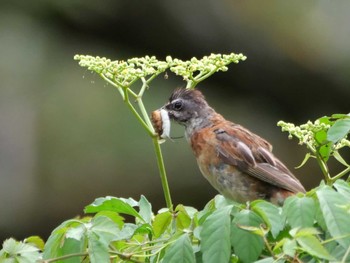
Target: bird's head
(187, 107)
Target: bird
(239, 164)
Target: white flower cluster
(122, 72)
(307, 133)
(200, 67)
(125, 73)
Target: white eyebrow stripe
(165, 124)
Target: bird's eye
(177, 105)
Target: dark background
(66, 138)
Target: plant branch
(324, 168)
(84, 254)
(202, 77)
(142, 107)
(269, 248)
(341, 174)
(162, 173)
(149, 130)
(124, 257)
(115, 84)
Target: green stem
(115, 84)
(162, 173)
(148, 128)
(341, 174)
(85, 254)
(142, 107)
(132, 93)
(321, 163)
(324, 168)
(267, 244)
(191, 84)
(153, 77)
(143, 88)
(124, 257)
(201, 77)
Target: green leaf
(183, 220)
(215, 236)
(53, 245)
(72, 246)
(104, 228)
(267, 260)
(336, 217)
(109, 203)
(144, 229)
(145, 210)
(115, 217)
(341, 254)
(180, 251)
(191, 211)
(270, 214)
(127, 231)
(306, 158)
(35, 241)
(339, 130)
(301, 232)
(98, 249)
(289, 247)
(161, 223)
(299, 211)
(101, 231)
(343, 188)
(319, 217)
(339, 116)
(325, 120)
(56, 245)
(221, 201)
(339, 158)
(324, 146)
(76, 232)
(313, 246)
(247, 246)
(15, 251)
(207, 210)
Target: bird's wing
(251, 154)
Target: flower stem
(149, 129)
(162, 173)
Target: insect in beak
(161, 123)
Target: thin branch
(341, 174)
(85, 254)
(115, 84)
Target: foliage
(323, 138)
(311, 227)
(308, 228)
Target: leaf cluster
(324, 138)
(309, 228)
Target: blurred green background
(65, 136)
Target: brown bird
(237, 163)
